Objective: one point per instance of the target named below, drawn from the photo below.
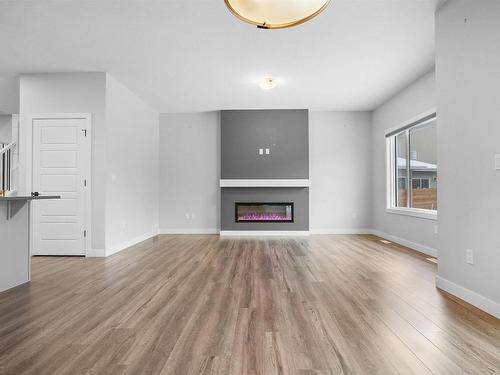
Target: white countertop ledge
(265, 183)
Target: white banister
(6, 167)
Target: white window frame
(391, 172)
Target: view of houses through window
(414, 158)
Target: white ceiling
(193, 55)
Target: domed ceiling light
(268, 83)
(276, 14)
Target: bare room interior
(250, 187)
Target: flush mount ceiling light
(276, 14)
(267, 83)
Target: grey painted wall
(468, 139)
(14, 254)
(299, 196)
(189, 172)
(341, 176)
(284, 132)
(412, 101)
(340, 154)
(124, 149)
(74, 93)
(131, 166)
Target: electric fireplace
(246, 212)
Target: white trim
(188, 231)
(415, 212)
(265, 183)
(412, 245)
(341, 231)
(264, 233)
(129, 243)
(475, 299)
(411, 121)
(95, 253)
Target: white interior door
(61, 166)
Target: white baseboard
(189, 231)
(126, 244)
(95, 253)
(341, 231)
(412, 245)
(475, 299)
(262, 233)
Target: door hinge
(84, 233)
(84, 132)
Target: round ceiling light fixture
(276, 14)
(268, 83)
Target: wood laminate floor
(205, 305)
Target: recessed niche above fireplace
(257, 212)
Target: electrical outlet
(497, 162)
(267, 151)
(435, 229)
(469, 256)
(261, 151)
(187, 215)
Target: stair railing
(6, 161)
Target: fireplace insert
(253, 212)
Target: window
(412, 156)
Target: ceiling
(184, 56)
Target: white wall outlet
(267, 151)
(436, 229)
(469, 256)
(497, 162)
(261, 151)
(187, 215)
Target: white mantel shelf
(265, 183)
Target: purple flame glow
(263, 217)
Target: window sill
(415, 212)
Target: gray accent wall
(284, 132)
(299, 196)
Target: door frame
(26, 164)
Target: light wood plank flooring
(205, 305)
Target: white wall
(6, 128)
(131, 167)
(468, 82)
(9, 94)
(340, 171)
(412, 101)
(74, 93)
(189, 172)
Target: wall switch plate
(261, 151)
(435, 229)
(267, 151)
(469, 256)
(497, 162)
